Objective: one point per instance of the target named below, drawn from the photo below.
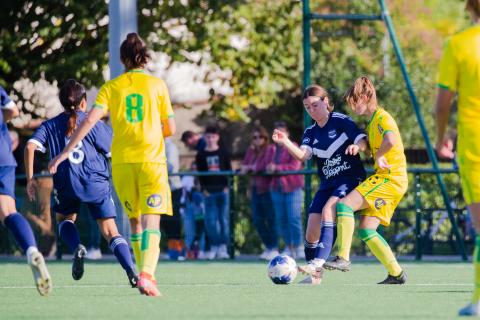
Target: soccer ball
(282, 269)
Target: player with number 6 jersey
(84, 178)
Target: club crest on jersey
(154, 201)
(332, 134)
(306, 141)
(379, 202)
(128, 206)
(380, 129)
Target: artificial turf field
(236, 290)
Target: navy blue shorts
(7, 181)
(100, 209)
(322, 196)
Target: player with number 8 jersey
(141, 116)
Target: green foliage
(50, 39)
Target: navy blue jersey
(6, 156)
(85, 175)
(328, 144)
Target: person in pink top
(257, 158)
(287, 196)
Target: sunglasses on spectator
(257, 137)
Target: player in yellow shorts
(141, 116)
(460, 74)
(379, 195)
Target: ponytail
(133, 52)
(71, 95)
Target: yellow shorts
(143, 188)
(469, 169)
(383, 193)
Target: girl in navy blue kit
(84, 178)
(334, 140)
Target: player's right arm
(36, 142)
(300, 153)
(100, 108)
(92, 118)
(8, 107)
(447, 86)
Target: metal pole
(398, 53)
(122, 20)
(418, 218)
(306, 83)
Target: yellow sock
(381, 250)
(345, 227)
(476, 267)
(150, 250)
(136, 242)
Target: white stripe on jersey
(339, 115)
(326, 154)
(360, 137)
(40, 146)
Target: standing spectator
(172, 224)
(193, 217)
(287, 196)
(215, 189)
(258, 156)
(193, 141)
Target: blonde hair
(363, 86)
(317, 91)
(474, 6)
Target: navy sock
(120, 249)
(69, 233)
(21, 230)
(326, 240)
(310, 249)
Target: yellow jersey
(459, 71)
(138, 103)
(381, 123)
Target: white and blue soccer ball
(282, 269)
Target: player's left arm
(169, 127)
(356, 135)
(92, 118)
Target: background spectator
(193, 141)
(215, 189)
(257, 157)
(172, 224)
(287, 196)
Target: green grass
(236, 290)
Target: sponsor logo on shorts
(379, 202)
(128, 206)
(154, 201)
(332, 134)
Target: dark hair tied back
(133, 52)
(71, 95)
